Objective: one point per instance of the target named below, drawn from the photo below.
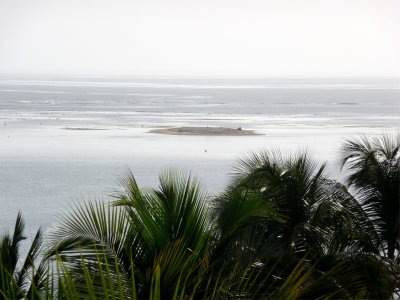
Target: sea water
(65, 140)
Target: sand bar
(218, 131)
(83, 128)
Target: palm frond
(374, 166)
(94, 233)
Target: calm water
(140, 100)
(65, 139)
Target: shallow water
(50, 159)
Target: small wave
(42, 101)
(35, 91)
(130, 94)
(197, 97)
(347, 103)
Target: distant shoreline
(215, 131)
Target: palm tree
(143, 236)
(318, 218)
(293, 184)
(27, 281)
(280, 230)
(171, 226)
(374, 167)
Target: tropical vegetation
(281, 229)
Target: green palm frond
(94, 233)
(140, 230)
(292, 183)
(175, 215)
(374, 166)
(387, 146)
(176, 211)
(245, 226)
(10, 246)
(27, 281)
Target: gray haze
(201, 37)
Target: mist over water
(66, 139)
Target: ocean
(67, 139)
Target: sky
(239, 38)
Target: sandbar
(83, 128)
(217, 131)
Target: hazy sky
(201, 37)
